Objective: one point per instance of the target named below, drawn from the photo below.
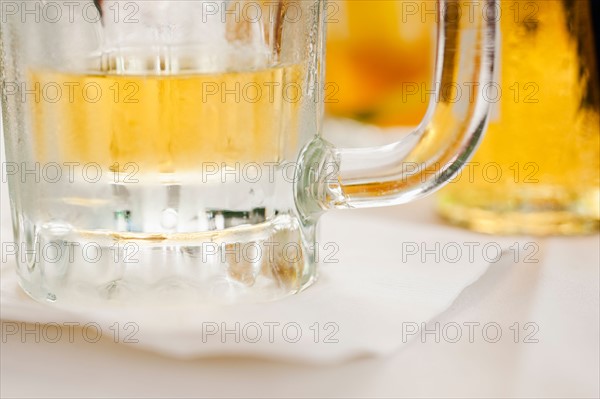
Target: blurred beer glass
(379, 56)
(537, 170)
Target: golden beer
(537, 170)
(166, 123)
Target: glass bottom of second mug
(254, 263)
(531, 221)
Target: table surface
(558, 296)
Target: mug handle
(433, 152)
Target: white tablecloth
(559, 295)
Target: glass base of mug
(253, 263)
(516, 222)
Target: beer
(537, 170)
(166, 123)
(153, 146)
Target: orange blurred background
(374, 48)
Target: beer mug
(169, 151)
(538, 169)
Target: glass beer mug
(169, 150)
(538, 170)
